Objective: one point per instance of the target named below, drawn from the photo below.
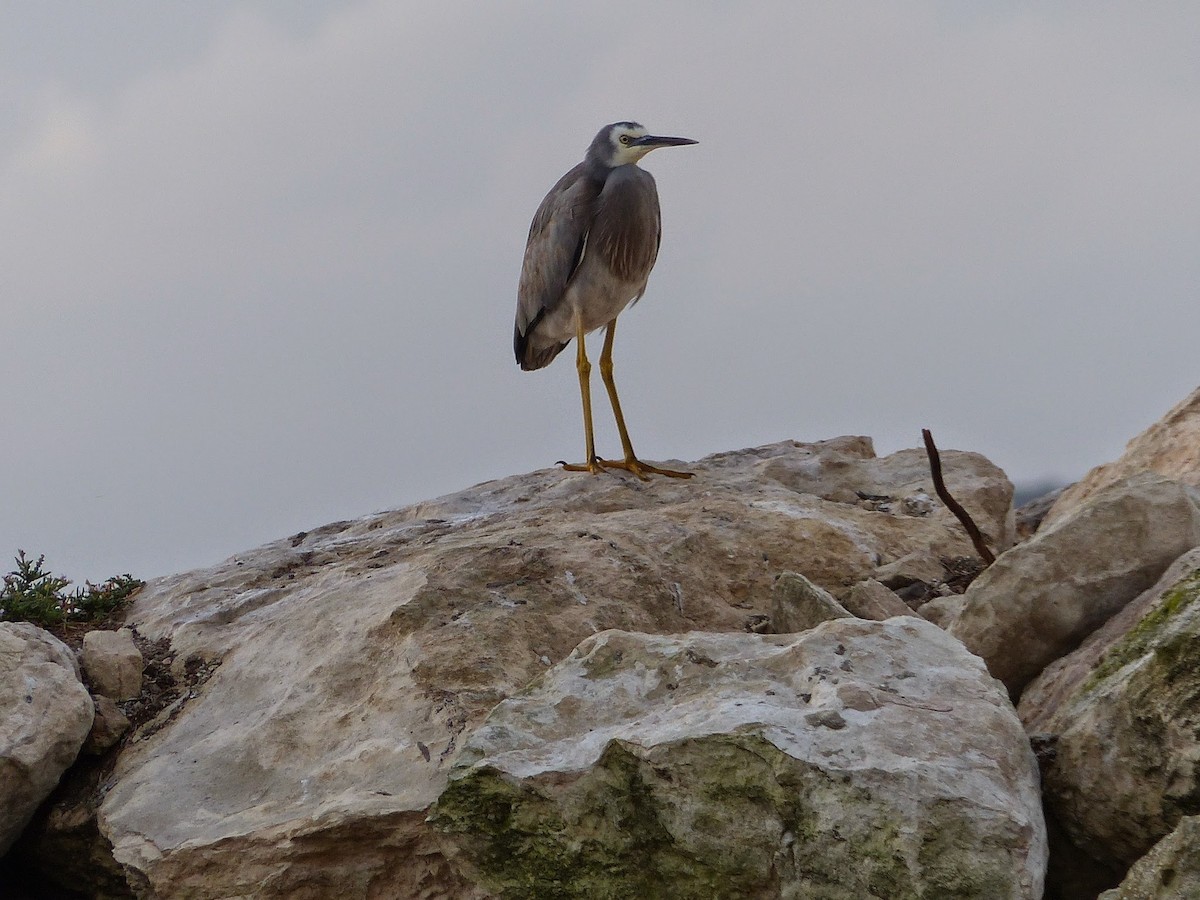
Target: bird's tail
(532, 355)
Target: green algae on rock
(1124, 773)
(709, 766)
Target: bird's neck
(597, 169)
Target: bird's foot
(640, 469)
(595, 465)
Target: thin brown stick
(935, 469)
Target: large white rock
(45, 714)
(1169, 447)
(354, 659)
(858, 759)
(1038, 601)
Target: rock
(1061, 680)
(1032, 514)
(1126, 722)
(871, 600)
(112, 664)
(900, 484)
(856, 759)
(1038, 601)
(107, 727)
(798, 605)
(45, 714)
(1168, 448)
(941, 611)
(1168, 872)
(920, 566)
(350, 662)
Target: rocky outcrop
(1169, 448)
(1123, 718)
(676, 684)
(349, 664)
(1038, 601)
(45, 714)
(857, 759)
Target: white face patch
(623, 154)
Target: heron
(592, 244)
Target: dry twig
(935, 468)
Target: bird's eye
(625, 139)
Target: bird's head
(623, 143)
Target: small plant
(98, 600)
(32, 594)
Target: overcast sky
(258, 261)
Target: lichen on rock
(1126, 712)
(713, 765)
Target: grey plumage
(593, 241)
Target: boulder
(1038, 601)
(858, 759)
(920, 567)
(350, 662)
(942, 611)
(45, 714)
(869, 599)
(112, 664)
(1168, 447)
(798, 605)
(1123, 716)
(1168, 872)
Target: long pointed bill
(654, 140)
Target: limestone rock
(108, 726)
(112, 664)
(1038, 601)
(1059, 682)
(856, 759)
(45, 714)
(1032, 514)
(900, 484)
(942, 611)
(1169, 447)
(921, 566)
(351, 661)
(354, 658)
(1127, 725)
(1168, 872)
(798, 605)
(871, 600)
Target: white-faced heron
(591, 247)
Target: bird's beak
(654, 140)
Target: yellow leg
(631, 463)
(593, 464)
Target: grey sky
(258, 260)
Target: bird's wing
(627, 227)
(557, 239)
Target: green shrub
(32, 594)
